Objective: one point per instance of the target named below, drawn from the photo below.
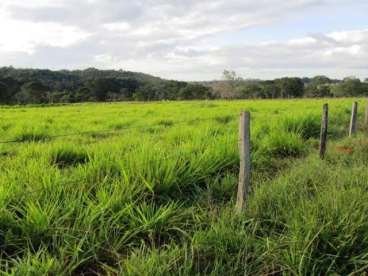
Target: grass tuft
(33, 136)
(165, 123)
(224, 119)
(306, 126)
(283, 145)
(66, 156)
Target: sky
(189, 39)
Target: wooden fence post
(245, 168)
(324, 129)
(366, 116)
(353, 120)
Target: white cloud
(117, 26)
(174, 38)
(350, 36)
(302, 56)
(351, 50)
(26, 36)
(302, 42)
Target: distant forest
(35, 86)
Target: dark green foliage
(83, 94)
(194, 91)
(34, 92)
(4, 93)
(349, 87)
(290, 87)
(33, 86)
(319, 86)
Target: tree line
(234, 87)
(35, 86)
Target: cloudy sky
(189, 39)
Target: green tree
(322, 90)
(4, 93)
(99, 88)
(12, 87)
(33, 92)
(249, 90)
(270, 89)
(290, 87)
(83, 94)
(194, 91)
(319, 80)
(145, 93)
(348, 87)
(318, 86)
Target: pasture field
(150, 189)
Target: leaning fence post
(353, 125)
(244, 171)
(324, 129)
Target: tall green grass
(154, 194)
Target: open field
(149, 189)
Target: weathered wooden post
(366, 117)
(324, 129)
(353, 120)
(245, 168)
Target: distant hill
(82, 75)
(24, 86)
